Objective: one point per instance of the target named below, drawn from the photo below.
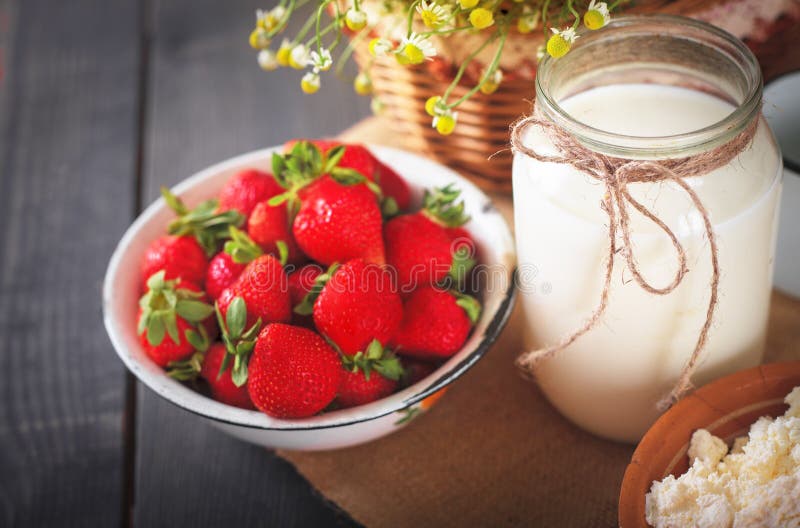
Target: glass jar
(645, 88)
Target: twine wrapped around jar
(616, 174)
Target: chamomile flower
(270, 20)
(355, 19)
(492, 83)
(467, 4)
(560, 42)
(259, 38)
(310, 83)
(267, 60)
(445, 123)
(379, 47)
(321, 61)
(596, 15)
(433, 106)
(415, 49)
(481, 18)
(433, 15)
(362, 84)
(299, 57)
(284, 52)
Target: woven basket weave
(483, 121)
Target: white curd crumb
(756, 484)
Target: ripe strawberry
(227, 265)
(338, 222)
(369, 376)
(269, 225)
(359, 158)
(264, 287)
(393, 185)
(435, 323)
(293, 372)
(223, 388)
(246, 189)
(181, 257)
(301, 281)
(358, 304)
(170, 311)
(419, 247)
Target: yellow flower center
(431, 19)
(594, 19)
(557, 46)
(467, 4)
(283, 55)
(413, 54)
(481, 18)
(445, 125)
(309, 86)
(524, 25)
(430, 105)
(259, 38)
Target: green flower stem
(503, 33)
(574, 13)
(445, 31)
(321, 33)
(304, 30)
(320, 10)
(411, 9)
(463, 68)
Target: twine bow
(616, 174)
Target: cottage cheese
(756, 484)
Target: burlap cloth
(492, 452)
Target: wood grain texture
(208, 101)
(67, 150)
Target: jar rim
(640, 147)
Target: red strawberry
(268, 225)
(181, 257)
(222, 272)
(435, 323)
(293, 372)
(222, 387)
(246, 189)
(357, 305)
(393, 185)
(337, 223)
(205, 223)
(226, 266)
(359, 158)
(170, 311)
(369, 376)
(301, 281)
(419, 247)
(264, 287)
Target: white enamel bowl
(339, 428)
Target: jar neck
(655, 49)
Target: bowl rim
(757, 378)
(429, 385)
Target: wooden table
(101, 102)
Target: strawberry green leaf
(143, 320)
(244, 348)
(155, 331)
(462, 265)
(186, 370)
(171, 324)
(390, 367)
(236, 317)
(198, 340)
(223, 366)
(156, 281)
(239, 374)
(333, 157)
(193, 311)
(440, 206)
(283, 252)
(208, 226)
(374, 350)
(389, 208)
(241, 247)
(174, 203)
(347, 176)
(470, 305)
(252, 332)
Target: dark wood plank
(209, 101)
(67, 148)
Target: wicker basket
(478, 148)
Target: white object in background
(782, 110)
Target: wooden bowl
(726, 408)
